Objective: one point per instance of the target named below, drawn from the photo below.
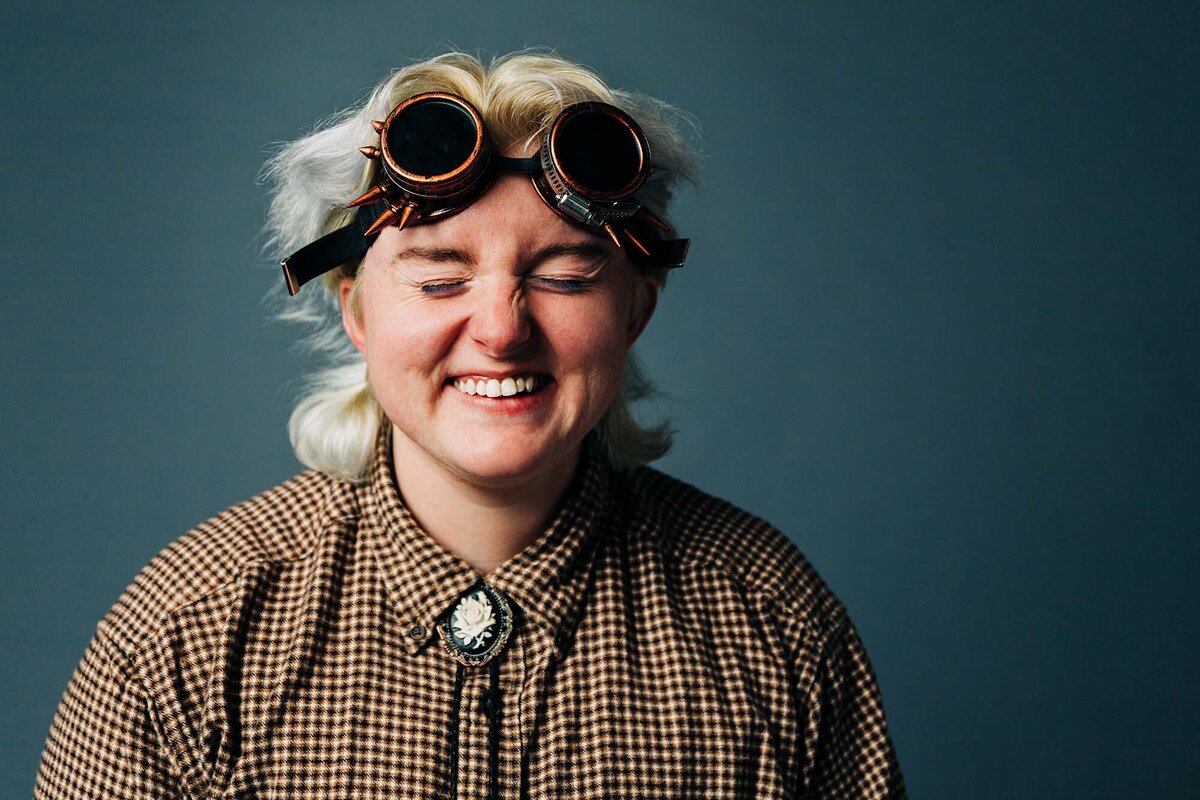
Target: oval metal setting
(476, 628)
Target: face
(495, 338)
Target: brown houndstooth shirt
(667, 644)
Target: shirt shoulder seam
(326, 521)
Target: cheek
(587, 339)
(408, 341)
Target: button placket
(472, 736)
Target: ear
(351, 320)
(645, 300)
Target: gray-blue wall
(939, 324)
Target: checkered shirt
(666, 644)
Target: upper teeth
(495, 387)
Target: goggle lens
(432, 138)
(599, 154)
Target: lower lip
(516, 404)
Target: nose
(500, 321)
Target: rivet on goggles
(437, 159)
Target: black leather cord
(456, 703)
(491, 707)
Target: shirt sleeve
(102, 743)
(852, 755)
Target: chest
(630, 703)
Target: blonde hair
(335, 422)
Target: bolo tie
(474, 632)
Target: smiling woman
(518, 100)
(603, 630)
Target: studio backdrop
(938, 325)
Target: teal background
(939, 325)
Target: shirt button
(417, 631)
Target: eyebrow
(585, 250)
(449, 255)
(439, 255)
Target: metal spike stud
(377, 124)
(385, 219)
(633, 240)
(407, 215)
(370, 152)
(371, 195)
(612, 234)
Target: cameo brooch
(476, 628)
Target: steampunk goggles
(436, 158)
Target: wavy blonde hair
(335, 422)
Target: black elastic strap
(531, 164)
(669, 253)
(664, 252)
(350, 242)
(347, 243)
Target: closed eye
(568, 285)
(448, 287)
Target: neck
(482, 525)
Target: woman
(478, 589)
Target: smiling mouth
(500, 387)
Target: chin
(510, 464)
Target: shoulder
(281, 524)
(699, 531)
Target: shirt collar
(546, 580)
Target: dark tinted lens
(597, 152)
(431, 137)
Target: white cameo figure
(473, 619)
